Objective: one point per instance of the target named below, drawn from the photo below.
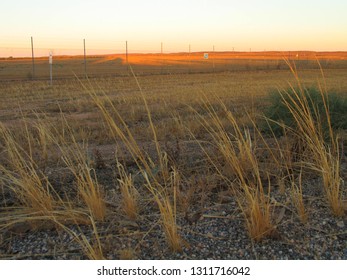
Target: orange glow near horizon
(193, 58)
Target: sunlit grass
(172, 143)
(316, 131)
(130, 196)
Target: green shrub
(278, 112)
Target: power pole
(32, 57)
(85, 58)
(161, 54)
(189, 59)
(213, 59)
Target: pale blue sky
(260, 25)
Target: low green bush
(278, 113)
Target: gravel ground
(219, 234)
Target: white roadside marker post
(50, 59)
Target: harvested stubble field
(169, 167)
(65, 66)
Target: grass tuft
(23, 177)
(155, 170)
(297, 198)
(129, 193)
(239, 154)
(315, 130)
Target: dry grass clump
(297, 198)
(130, 195)
(168, 215)
(39, 205)
(76, 159)
(256, 207)
(239, 154)
(155, 170)
(23, 177)
(312, 118)
(322, 145)
(89, 190)
(168, 209)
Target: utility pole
(32, 57)
(85, 58)
(161, 54)
(213, 59)
(189, 59)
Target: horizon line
(286, 52)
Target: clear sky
(226, 24)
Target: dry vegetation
(142, 167)
(167, 63)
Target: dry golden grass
(241, 166)
(297, 198)
(130, 195)
(29, 184)
(323, 152)
(40, 206)
(89, 190)
(168, 209)
(184, 136)
(155, 171)
(92, 248)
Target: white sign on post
(205, 55)
(50, 67)
(50, 58)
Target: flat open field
(179, 166)
(166, 63)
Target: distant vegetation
(317, 102)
